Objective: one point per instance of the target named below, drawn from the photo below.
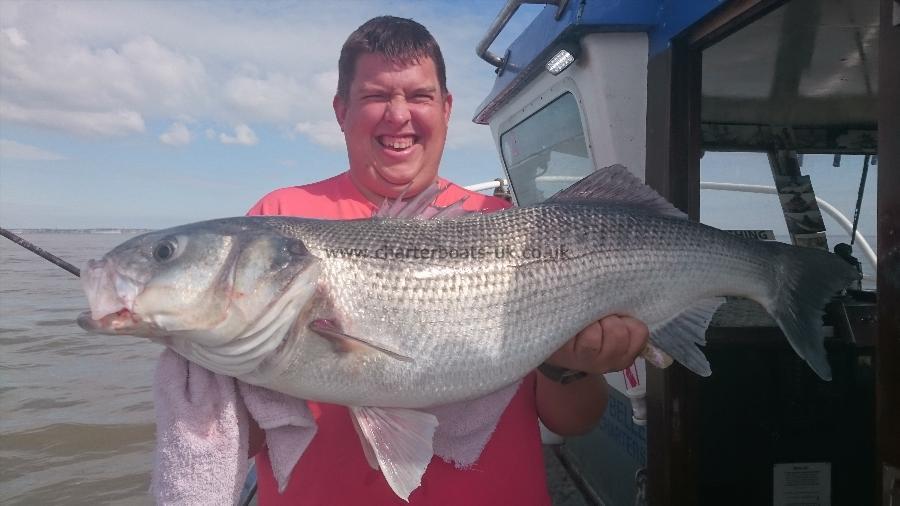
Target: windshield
(546, 152)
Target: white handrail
(487, 185)
(747, 188)
(824, 205)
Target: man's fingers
(610, 344)
(614, 327)
(625, 338)
(616, 336)
(639, 336)
(591, 337)
(588, 344)
(568, 354)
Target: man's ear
(448, 104)
(340, 110)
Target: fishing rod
(40, 252)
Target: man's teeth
(396, 142)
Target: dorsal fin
(615, 185)
(421, 207)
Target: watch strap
(560, 374)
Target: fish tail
(805, 279)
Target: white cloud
(326, 132)
(269, 99)
(176, 135)
(99, 123)
(464, 134)
(18, 151)
(243, 136)
(78, 65)
(96, 90)
(15, 37)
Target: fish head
(206, 284)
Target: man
(393, 106)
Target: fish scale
(484, 331)
(429, 312)
(326, 311)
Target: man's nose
(397, 111)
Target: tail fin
(805, 280)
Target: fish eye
(165, 250)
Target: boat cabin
(796, 94)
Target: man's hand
(608, 345)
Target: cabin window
(546, 152)
(783, 215)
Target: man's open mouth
(397, 143)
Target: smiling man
(393, 106)
(394, 117)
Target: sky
(153, 114)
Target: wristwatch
(560, 374)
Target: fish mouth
(111, 323)
(111, 295)
(122, 322)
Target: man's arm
(609, 345)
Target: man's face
(395, 124)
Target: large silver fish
(405, 313)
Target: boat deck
(563, 490)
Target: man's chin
(390, 181)
(394, 182)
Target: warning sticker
(802, 484)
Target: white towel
(202, 431)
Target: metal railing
(503, 17)
(823, 204)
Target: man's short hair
(399, 40)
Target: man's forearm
(571, 409)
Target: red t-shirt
(333, 469)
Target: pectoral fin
(401, 440)
(330, 330)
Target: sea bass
(400, 314)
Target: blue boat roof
(661, 19)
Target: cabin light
(564, 57)
(560, 61)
